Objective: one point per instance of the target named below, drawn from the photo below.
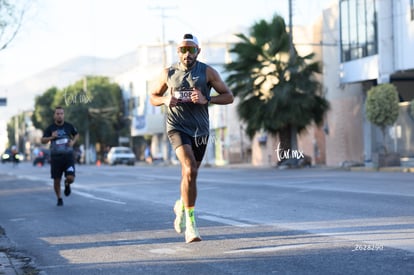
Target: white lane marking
(163, 251)
(267, 249)
(90, 196)
(18, 219)
(224, 221)
(32, 178)
(83, 194)
(169, 251)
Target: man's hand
(197, 97)
(170, 101)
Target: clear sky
(57, 30)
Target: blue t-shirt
(60, 145)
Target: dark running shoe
(67, 188)
(60, 202)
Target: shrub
(382, 106)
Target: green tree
(14, 131)
(382, 107)
(44, 108)
(278, 89)
(11, 131)
(96, 109)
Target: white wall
(359, 70)
(404, 36)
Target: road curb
(13, 262)
(383, 169)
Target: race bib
(183, 95)
(61, 141)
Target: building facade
(360, 43)
(366, 43)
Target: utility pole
(164, 50)
(163, 42)
(87, 153)
(292, 60)
(291, 48)
(16, 131)
(166, 153)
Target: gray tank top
(188, 117)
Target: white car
(121, 155)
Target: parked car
(121, 155)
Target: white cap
(190, 38)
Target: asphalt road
(118, 220)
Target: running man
(62, 136)
(185, 88)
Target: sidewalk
(399, 169)
(13, 262)
(385, 169)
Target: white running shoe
(191, 233)
(179, 222)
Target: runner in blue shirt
(62, 136)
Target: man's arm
(45, 140)
(74, 139)
(48, 136)
(157, 96)
(225, 95)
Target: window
(358, 29)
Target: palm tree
(278, 89)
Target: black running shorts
(198, 144)
(62, 164)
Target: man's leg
(68, 181)
(69, 174)
(189, 171)
(56, 174)
(56, 186)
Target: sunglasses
(192, 50)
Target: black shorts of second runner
(198, 144)
(62, 164)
